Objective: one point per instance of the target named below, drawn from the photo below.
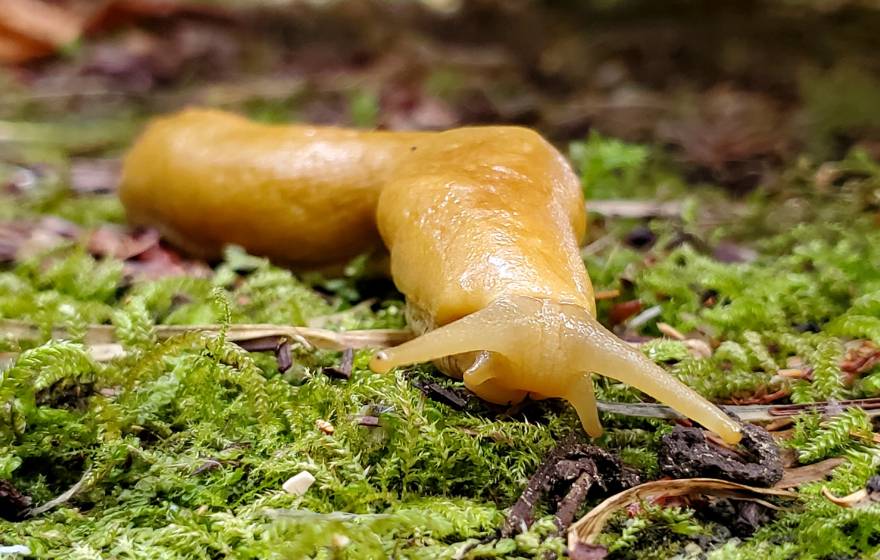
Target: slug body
(482, 224)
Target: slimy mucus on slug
(482, 225)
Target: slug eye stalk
(549, 349)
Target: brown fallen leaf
(94, 175)
(114, 13)
(156, 261)
(15, 49)
(121, 243)
(867, 496)
(13, 503)
(590, 526)
(698, 348)
(856, 499)
(792, 478)
(793, 373)
(731, 135)
(779, 424)
(861, 357)
(670, 331)
(622, 311)
(24, 239)
(761, 396)
(588, 552)
(31, 29)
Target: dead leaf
(120, 243)
(156, 261)
(408, 108)
(761, 396)
(585, 531)
(94, 175)
(24, 239)
(31, 29)
(730, 134)
(867, 496)
(583, 551)
(698, 348)
(15, 49)
(671, 331)
(861, 357)
(792, 478)
(119, 12)
(793, 373)
(779, 424)
(856, 499)
(622, 311)
(105, 352)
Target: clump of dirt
(687, 453)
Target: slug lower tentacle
(483, 227)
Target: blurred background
(733, 89)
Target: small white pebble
(340, 541)
(15, 549)
(299, 484)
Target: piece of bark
(576, 467)
(343, 371)
(13, 504)
(439, 393)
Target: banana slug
(483, 226)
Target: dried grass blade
(320, 338)
(588, 527)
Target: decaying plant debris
(585, 531)
(686, 453)
(153, 406)
(569, 472)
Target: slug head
(521, 345)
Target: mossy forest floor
(734, 184)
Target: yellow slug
(482, 224)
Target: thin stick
(748, 413)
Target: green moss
(182, 446)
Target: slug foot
(520, 345)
